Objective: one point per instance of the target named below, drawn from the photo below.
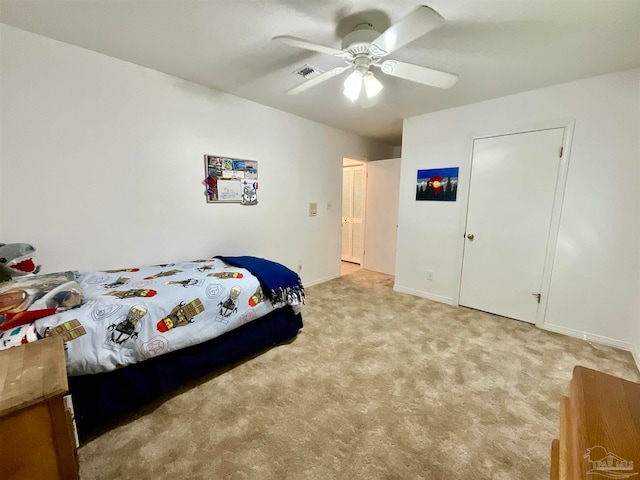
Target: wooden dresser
(36, 435)
(599, 429)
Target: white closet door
(352, 214)
(513, 182)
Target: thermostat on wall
(313, 209)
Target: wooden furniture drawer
(37, 438)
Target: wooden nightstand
(37, 438)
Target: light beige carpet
(378, 385)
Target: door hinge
(537, 295)
(561, 151)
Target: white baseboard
(318, 281)
(590, 337)
(429, 296)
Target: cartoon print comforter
(133, 314)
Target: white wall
(381, 215)
(595, 284)
(102, 166)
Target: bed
(141, 332)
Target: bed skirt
(102, 399)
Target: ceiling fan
(365, 48)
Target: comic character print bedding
(133, 314)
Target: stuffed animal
(16, 259)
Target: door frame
(351, 161)
(563, 170)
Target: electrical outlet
(329, 206)
(429, 275)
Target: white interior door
(511, 195)
(352, 213)
(381, 229)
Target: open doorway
(353, 213)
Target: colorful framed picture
(230, 180)
(438, 184)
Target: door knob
(470, 236)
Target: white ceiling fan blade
(427, 76)
(422, 20)
(315, 81)
(315, 47)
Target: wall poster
(231, 180)
(440, 184)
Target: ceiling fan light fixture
(353, 85)
(365, 48)
(372, 85)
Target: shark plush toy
(16, 259)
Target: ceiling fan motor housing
(358, 41)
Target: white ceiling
(498, 47)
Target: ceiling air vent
(308, 71)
